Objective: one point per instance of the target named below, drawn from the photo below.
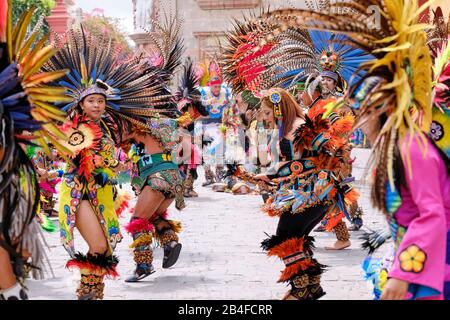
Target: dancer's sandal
(171, 253)
(141, 272)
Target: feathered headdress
(252, 60)
(26, 113)
(437, 36)
(188, 92)
(135, 90)
(166, 46)
(243, 61)
(210, 73)
(402, 65)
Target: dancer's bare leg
(148, 203)
(141, 228)
(7, 278)
(91, 231)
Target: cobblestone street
(221, 257)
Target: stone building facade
(206, 21)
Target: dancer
(189, 100)
(311, 183)
(216, 97)
(24, 108)
(397, 116)
(108, 97)
(49, 175)
(159, 181)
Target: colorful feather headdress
(401, 65)
(210, 73)
(135, 89)
(166, 46)
(26, 113)
(254, 61)
(188, 91)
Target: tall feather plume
(188, 88)
(397, 42)
(168, 42)
(261, 54)
(27, 117)
(137, 89)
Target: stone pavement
(221, 257)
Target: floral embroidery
(296, 167)
(412, 259)
(436, 131)
(322, 175)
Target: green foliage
(100, 24)
(43, 7)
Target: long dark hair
(289, 108)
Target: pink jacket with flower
(422, 258)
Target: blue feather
(94, 73)
(77, 75)
(14, 99)
(66, 84)
(74, 81)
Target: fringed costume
(132, 89)
(158, 170)
(411, 178)
(26, 118)
(313, 183)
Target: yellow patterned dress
(90, 177)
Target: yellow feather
(49, 114)
(48, 98)
(26, 46)
(46, 90)
(44, 77)
(38, 60)
(62, 151)
(83, 69)
(421, 9)
(393, 48)
(50, 108)
(44, 145)
(9, 31)
(21, 29)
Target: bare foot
(339, 245)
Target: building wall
(206, 21)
